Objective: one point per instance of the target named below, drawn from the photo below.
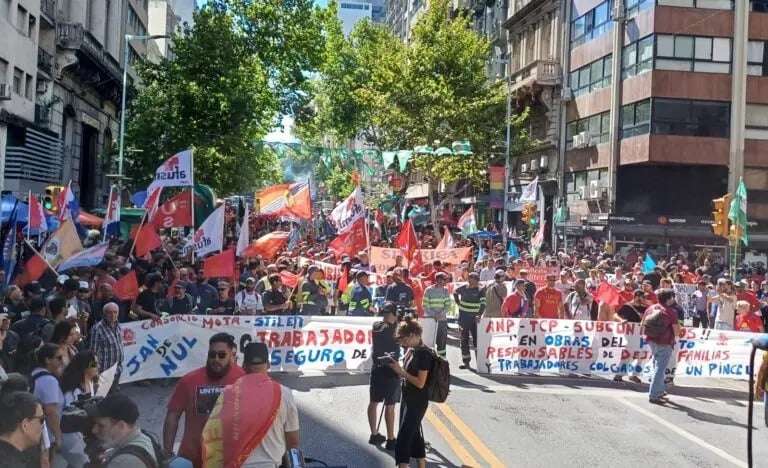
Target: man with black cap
(116, 426)
(385, 383)
(314, 295)
(398, 292)
(236, 434)
(180, 302)
(37, 323)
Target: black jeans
(468, 328)
(410, 440)
(701, 318)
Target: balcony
(45, 62)
(42, 115)
(75, 37)
(541, 72)
(48, 10)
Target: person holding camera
(385, 383)
(76, 382)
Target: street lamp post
(126, 52)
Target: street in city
(526, 421)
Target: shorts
(385, 388)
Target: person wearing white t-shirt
(76, 380)
(248, 300)
(725, 301)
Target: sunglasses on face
(217, 354)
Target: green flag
(738, 212)
(205, 203)
(462, 147)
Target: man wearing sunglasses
(196, 394)
(21, 428)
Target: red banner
(176, 212)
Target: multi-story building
(648, 135)
(60, 91)
(378, 11)
(350, 12)
(163, 21)
(30, 151)
(402, 16)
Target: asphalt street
(526, 421)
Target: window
(18, 79)
(3, 71)
(691, 118)
(634, 7)
(598, 126)
(31, 25)
(759, 6)
(21, 18)
(710, 4)
(756, 58)
(30, 85)
(590, 25)
(594, 76)
(637, 57)
(575, 181)
(635, 119)
(693, 53)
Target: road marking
(453, 442)
(470, 436)
(717, 451)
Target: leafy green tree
(224, 89)
(398, 96)
(339, 183)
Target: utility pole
(618, 14)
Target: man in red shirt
(196, 394)
(628, 293)
(747, 320)
(548, 301)
(743, 293)
(661, 341)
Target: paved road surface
(527, 421)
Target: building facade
(351, 12)
(162, 21)
(64, 71)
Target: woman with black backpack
(415, 370)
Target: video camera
(293, 458)
(79, 417)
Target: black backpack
(439, 378)
(142, 454)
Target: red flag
(127, 287)
(350, 242)
(299, 205)
(607, 294)
(289, 279)
(36, 214)
(268, 246)
(407, 241)
(146, 239)
(176, 212)
(416, 266)
(221, 265)
(32, 271)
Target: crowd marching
(61, 325)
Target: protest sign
(176, 345)
(538, 275)
(544, 346)
(684, 298)
(384, 258)
(331, 271)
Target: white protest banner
(106, 379)
(210, 236)
(544, 346)
(348, 211)
(176, 171)
(684, 298)
(331, 271)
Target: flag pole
(29, 227)
(192, 196)
(109, 205)
(138, 232)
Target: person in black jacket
(385, 383)
(21, 428)
(414, 371)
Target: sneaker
(465, 365)
(377, 439)
(635, 379)
(618, 378)
(391, 444)
(657, 401)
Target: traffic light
(720, 207)
(528, 213)
(51, 194)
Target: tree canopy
(233, 73)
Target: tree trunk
(433, 210)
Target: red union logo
(199, 235)
(129, 337)
(663, 220)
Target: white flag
(210, 236)
(349, 211)
(530, 192)
(243, 238)
(176, 171)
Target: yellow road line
(453, 442)
(470, 436)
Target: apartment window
(29, 86)
(693, 53)
(757, 58)
(691, 118)
(591, 24)
(574, 181)
(21, 18)
(633, 7)
(709, 4)
(635, 119)
(18, 81)
(31, 25)
(592, 77)
(3, 71)
(598, 126)
(760, 6)
(757, 123)
(637, 57)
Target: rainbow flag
(496, 182)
